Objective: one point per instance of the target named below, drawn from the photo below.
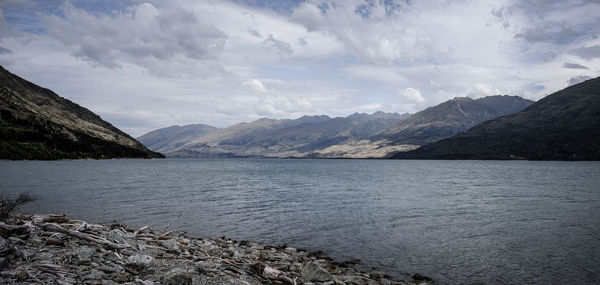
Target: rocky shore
(53, 249)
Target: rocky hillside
(451, 117)
(562, 126)
(36, 123)
(303, 137)
(168, 139)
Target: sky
(143, 65)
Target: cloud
(588, 53)
(141, 35)
(255, 85)
(222, 62)
(284, 48)
(574, 66)
(578, 79)
(411, 95)
(5, 51)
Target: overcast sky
(146, 65)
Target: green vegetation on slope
(35, 123)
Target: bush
(7, 205)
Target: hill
(36, 123)
(562, 126)
(168, 139)
(451, 117)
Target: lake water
(460, 222)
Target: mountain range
(36, 123)
(356, 136)
(562, 126)
(170, 138)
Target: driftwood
(88, 237)
(56, 219)
(7, 230)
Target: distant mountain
(356, 136)
(303, 137)
(168, 139)
(562, 126)
(451, 117)
(35, 123)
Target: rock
(419, 277)
(205, 267)
(121, 277)
(139, 262)
(3, 263)
(177, 277)
(143, 282)
(311, 271)
(271, 273)
(171, 245)
(55, 242)
(93, 275)
(290, 250)
(5, 246)
(22, 275)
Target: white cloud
(255, 85)
(411, 95)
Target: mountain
(562, 126)
(356, 136)
(451, 117)
(36, 123)
(168, 139)
(303, 137)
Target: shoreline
(56, 249)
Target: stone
(311, 271)
(271, 273)
(139, 262)
(291, 250)
(207, 266)
(144, 282)
(172, 245)
(177, 277)
(121, 277)
(3, 263)
(419, 277)
(22, 275)
(93, 275)
(5, 246)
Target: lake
(460, 222)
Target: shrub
(7, 205)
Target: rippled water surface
(491, 222)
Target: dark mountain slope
(35, 123)
(451, 117)
(562, 126)
(168, 139)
